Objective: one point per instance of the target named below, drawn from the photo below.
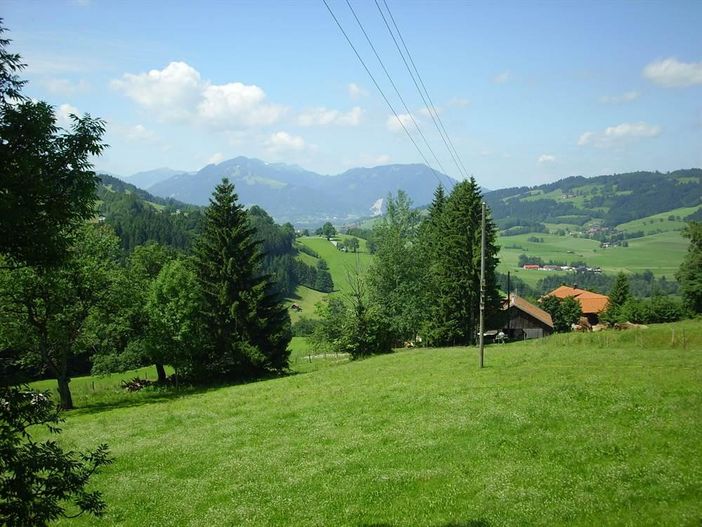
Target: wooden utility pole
(482, 284)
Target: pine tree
(248, 327)
(455, 269)
(620, 291)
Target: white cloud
(545, 159)
(395, 124)
(178, 93)
(618, 99)
(283, 141)
(459, 102)
(323, 116)
(368, 160)
(139, 133)
(619, 134)
(215, 158)
(65, 86)
(355, 91)
(673, 73)
(239, 104)
(428, 113)
(63, 115)
(502, 77)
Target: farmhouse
(525, 320)
(592, 304)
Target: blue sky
(529, 91)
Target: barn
(525, 320)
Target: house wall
(519, 321)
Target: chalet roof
(527, 307)
(589, 301)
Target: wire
(430, 106)
(387, 73)
(416, 146)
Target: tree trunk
(65, 393)
(161, 372)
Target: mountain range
(291, 193)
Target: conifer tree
(456, 267)
(247, 325)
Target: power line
(387, 74)
(431, 107)
(416, 146)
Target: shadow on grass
(469, 523)
(156, 395)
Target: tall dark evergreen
(456, 266)
(247, 325)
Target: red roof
(589, 301)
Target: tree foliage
(50, 305)
(564, 312)
(454, 255)
(47, 186)
(690, 273)
(248, 327)
(38, 480)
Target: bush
(304, 327)
(653, 311)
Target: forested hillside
(605, 201)
(139, 217)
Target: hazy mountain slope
(151, 177)
(290, 193)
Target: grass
(662, 253)
(579, 429)
(659, 222)
(306, 298)
(339, 262)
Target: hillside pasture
(579, 429)
(657, 223)
(661, 253)
(339, 262)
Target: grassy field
(661, 253)
(579, 429)
(339, 262)
(306, 298)
(659, 222)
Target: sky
(528, 91)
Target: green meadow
(661, 253)
(577, 429)
(340, 263)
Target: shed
(525, 320)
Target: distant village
(548, 267)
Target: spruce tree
(247, 325)
(455, 270)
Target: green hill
(577, 203)
(578, 429)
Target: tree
(47, 186)
(38, 480)
(173, 306)
(618, 296)
(352, 244)
(619, 293)
(43, 197)
(564, 312)
(328, 230)
(52, 304)
(247, 325)
(121, 323)
(690, 273)
(395, 276)
(454, 274)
